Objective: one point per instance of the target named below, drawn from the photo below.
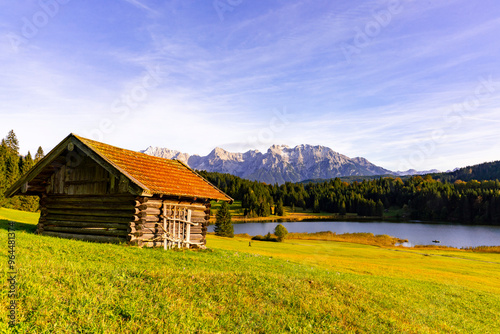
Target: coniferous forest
(12, 166)
(453, 197)
(418, 197)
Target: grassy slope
(297, 286)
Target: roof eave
(227, 198)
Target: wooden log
(148, 236)
(144, 214)
(151, 211)
(90, 206)
(98, 219)
(196, 230)
(142, 229)
(123, 199)
(107, 213)
(149, 218)
(197, 237)
(198, 220)
(148, 206)
(86, 224)
(86, 237)
(85, 231)
(150, 200)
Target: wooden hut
(93, 191)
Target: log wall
(149, 231)
(91, 218)
(116, 218)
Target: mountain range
(280, 163)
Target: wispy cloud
(141, 5)
(221, 81)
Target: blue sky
(403, 83)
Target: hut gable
(93, 191)
(149, 175)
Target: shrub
(281, 232)
(268, 237)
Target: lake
(417, 233)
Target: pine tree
(380, 209)
(223, 224)
(280, 210)
(39, 154)
(27, 163)
(12, 142)
(342, 209)
(316, 208)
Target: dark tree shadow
(18, 226)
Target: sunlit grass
(299, 286)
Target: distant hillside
(481, 172)
(358, 178)
(279, 164)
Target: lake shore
(303, 217)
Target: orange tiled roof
(157, 175)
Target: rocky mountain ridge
(279, 164)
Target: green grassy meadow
(299, 286)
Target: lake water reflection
(416, 233)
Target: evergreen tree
(342, 210)
(280, 210)
(12, 142)
(223, 224)
(380, 209)
(316, 208)
(27, 163)
(39, 154)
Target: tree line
(416, 197)
(12, 166)
(442, 197)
